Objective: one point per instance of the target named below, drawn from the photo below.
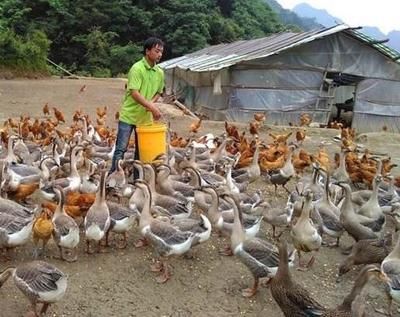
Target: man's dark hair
(150, 43)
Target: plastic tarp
(377, 104)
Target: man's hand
(155, 111)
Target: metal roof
(224, 55)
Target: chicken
(84, 201)
(266, 165)
(300, 135)
(305, 120)
(35, 128)
(46, 110)
(101, 113)
(260, 117)
(116, 116)
(322, 158)
(13, 123)
(281, 138)
(100, 122)
(59, 115)
(73, 211)
(23, 191)
(83, 89)
(301, 160)
(232, 131)
(254, 126)
(42, 229)
(77, 115)
(195, 126)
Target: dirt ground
(119, 283)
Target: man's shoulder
(159, 69)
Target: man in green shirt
(145, 85)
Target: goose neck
(5, 275)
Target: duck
(97, 221)
(305, 235)
(292, 298)
(39, 281)
(348, 307)
(368, 251)
(66, 230)
(165, 238)
(260, 256)
(390, 268)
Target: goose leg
(88, 251)
(249, 292)
(44, 309)
(124, 242)
(157, 266)
(166, 274)
(227, 251)
(142, 242)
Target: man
(144, 87)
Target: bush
(24, 53)
(123, 57)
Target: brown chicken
(42, 229)
(101, 112)
(59, 115)
(232, 131)
(301, 160)
(23, 191)
(116, 116)
(254, 127)
(195, 126)
(35, 128)
(280, 138)
(100, 122)
(305, 120)
(260, 117)
(83, 89)
(266, 165)
(300, 136)
(46, 110)
(13, 123)
(322, 157)
(78, 199)
(73, 211)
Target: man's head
(153, 49)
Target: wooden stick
(185, 109)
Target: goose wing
(39, 276)
(168, 233)
(262, 251)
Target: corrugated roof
(224, 55)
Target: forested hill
(104, 37)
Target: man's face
(155, 53)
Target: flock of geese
(179, 199)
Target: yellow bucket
(152, 141)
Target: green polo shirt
(148, 81)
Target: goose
(340, 174)
(14, 231)
(390, 267)
(39, 281)
(329, 213)
(172, 187)
(260, 256)
(70, 183)
(223, 220)
(122, 220)
(305, 236)
(66, 231)
(284, 174)
(116, 179)
(11, 157)
(97, 221)
(250, 173)
(22, 174)
(278, 216)
(174, 206)
(356, 225)
(165, 238)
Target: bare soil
(119, 283)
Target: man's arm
(149, 105)
(156, 97)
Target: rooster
(59, 115)
(46, 110)
(195, 126)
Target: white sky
(383, 14)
